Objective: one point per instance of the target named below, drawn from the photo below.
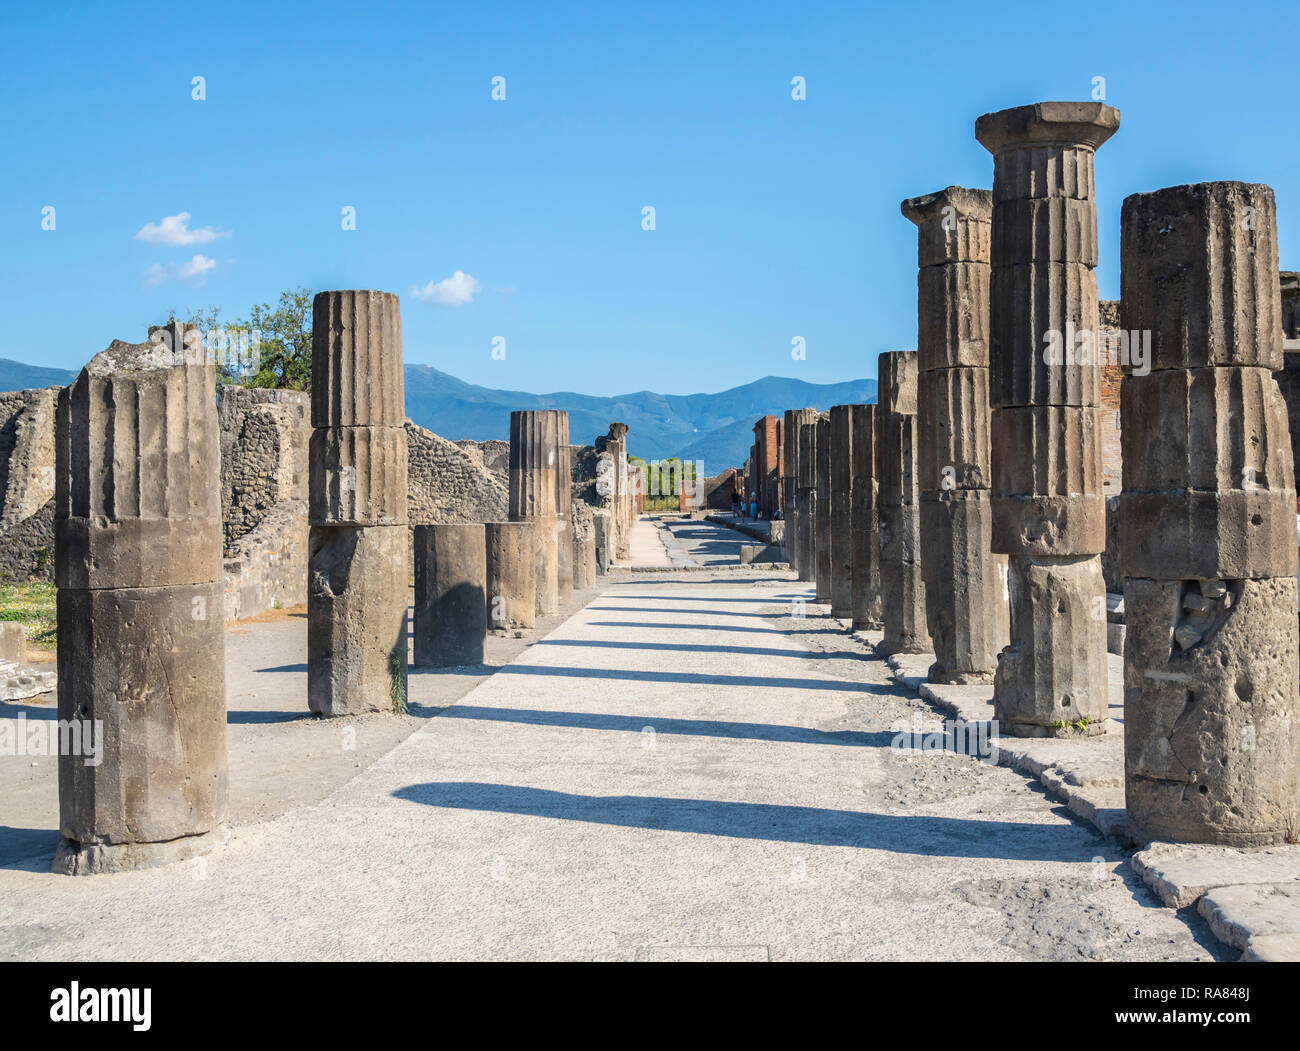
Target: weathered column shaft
(790, 495)
(451, 600)
(864, 524)
(822, 511)
(806, 493)
(511, 553)
(1044, 382)
(965, 583)
(141, 649)
(1211, 701)
(841, 518)
(564, 509)
(359, 546)
(534, 493)
(898, 509)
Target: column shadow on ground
(687, 678)
(923, 835)
(684, 727)
(27, 849)
(696, 647)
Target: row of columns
(968, 516)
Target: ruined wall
(264, 436)
(27, 484)
(449, 483)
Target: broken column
(563, 509)
(790, 493)
(359, 547)
(864, 525)
(898, 509)
(451, 596)
(141, 650)
(1211, 704)
(965, 583)
(511, 559)
(841, 516)
(534, 436)
(822, 511)
(1044, 386)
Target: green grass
(32, 605)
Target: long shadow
(684, 678)
(255, 718)
(286, 668)
(690, 647)
(12, 709)
(27, 849)
(691, 612)
(686, 627)
(679, 727)
(704, 598)
(923, 835)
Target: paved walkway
(681, 770)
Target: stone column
(1211, 702)
(898, 511)
(141, 653)
(965, 583)
(822, 512)
(790, 492)
(451, 600)
(601, 528)
(1044, 384)
(584, 560)
(534, 437)
(807, 497)
(841, 517)
(359, 548)
(864, 525)
(511, 553)
(563, 509)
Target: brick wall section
(766, 458)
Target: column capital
(1047, 123)
(971, 205)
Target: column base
(95, 859)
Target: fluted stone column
(451, 596)
(1211, 702)
(864, 524)
(563, 510)
(359, 548)
(614, 485)
(1048, 507)
(511, 554)
(902, 587)
(841, 518)
(806, 493)
(141, 650)
(965, 583)
(534, 457)
(790, 493)
(822, 511)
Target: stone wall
(449, 481)
(264, 435)
(27, 484)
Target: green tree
(283, 341)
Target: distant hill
(716, 428)
(14, 375)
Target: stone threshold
(1250, 898)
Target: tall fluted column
(563, 509)
(806, 494)
(141, 651)
(790, 436)
(965, 583)
(1211, 695)
(1048, 508)
(902, 587)
(841, 456)
(359, 560)
(822, 513)
(865, 525)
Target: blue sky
(774, 218)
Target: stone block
(1047, 229)
(584, 561)
(356, 360)
(102, 552)
(358, 476)
(1045, 149)
(896, 383)
(841, 517)
(1212, 710)
(1051, 679)
(952, 305)
(451, 594)
(357, 594)
(899, 482)
(146, 667)
(953, 419)
(1200, 274)
(952, 225)
(511, 564)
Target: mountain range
(715, 428)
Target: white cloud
(451, 291)
(174, 230)
(194, 272)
